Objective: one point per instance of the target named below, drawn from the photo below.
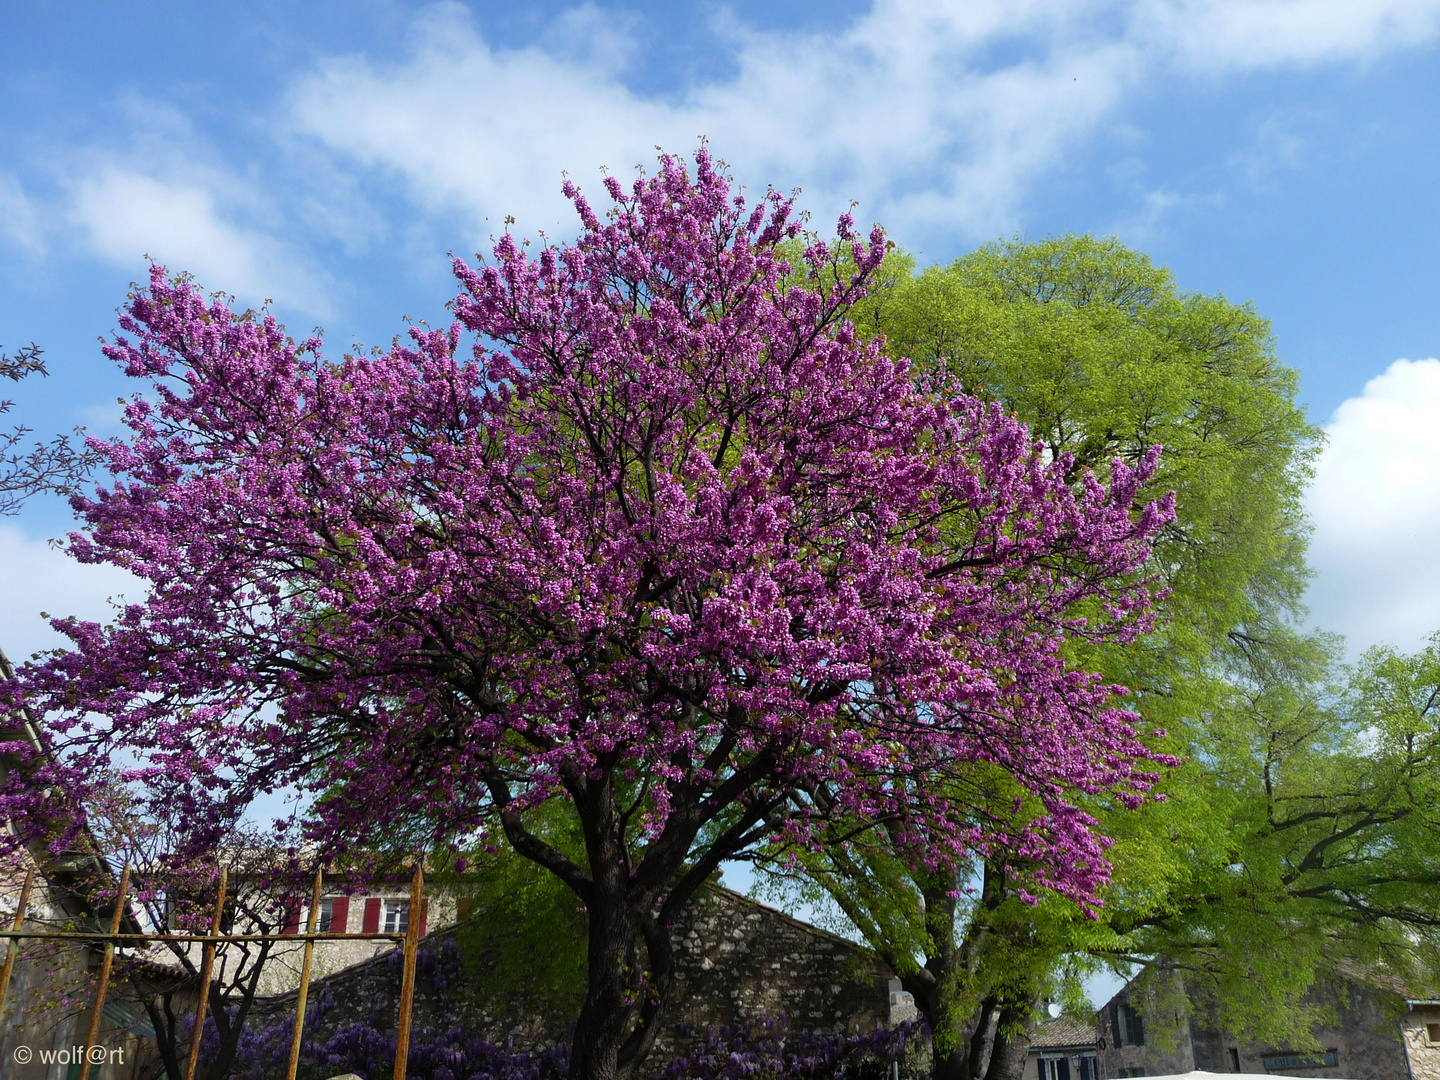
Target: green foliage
(523, 931)
(1103, 357)
(1333, 814)
(1099, 352)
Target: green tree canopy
(1103, 356)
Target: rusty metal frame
(12, 947)
(117, 913)
(408, 941)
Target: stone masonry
(736, 960)
(1421, 1027)
(1365, 1043)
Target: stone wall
(1365, 1039)
(51, 993)
(1169, 1034)
(1422, 1051)
(736, 960)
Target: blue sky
(1283, 152)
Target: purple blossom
(669, 520)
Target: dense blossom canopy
(667, 523)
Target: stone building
(377, 906)
(1378, 1034)
(737, 960)
(1064, 1048)
(47, 1006)
(1421, 1027)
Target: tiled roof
(1063, 1031)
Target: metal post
(12, 947)
(119, 913)
(304, 980)
(407, 981)
(207, 964)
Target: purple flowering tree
(666, 542)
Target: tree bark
(630, 905)
(611, 998)
(936, 998)
(988, 1041)
(1011, 1045)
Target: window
(1234, 1059)
(1134, 1027)
(1054, 1068)
(1432, 1032)
(1279, 1062)
(1115, 1033)
(397, 916)
(327, 916)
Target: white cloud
(936, 117)
(19, 219)
(1278, 146)
(1156, 207)
(893, 110)
(36, 577)
(1221, 35)
(1375, 503)
(125, 214)
(604, 40)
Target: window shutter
(292, 916)
(1115, 1024)
(372, 916)
(340, 915)
(1134, 1026)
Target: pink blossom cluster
(666, 529)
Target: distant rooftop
(1064, 1032)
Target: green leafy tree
(522, 935)
(1099, 352)
(1332, 806)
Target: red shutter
(424, 910)
(292, 916)
(339, 915)
(372, 916)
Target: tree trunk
(988, 1043)
(954, 1044)
(627, 904)
(165, 1039)
(960, 1038)
(615, 986)
(1011, 1047)
(981, 1040)
(952, 1059)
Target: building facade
(1377, 1035)
(1064, 1048)
(1421, 1033)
